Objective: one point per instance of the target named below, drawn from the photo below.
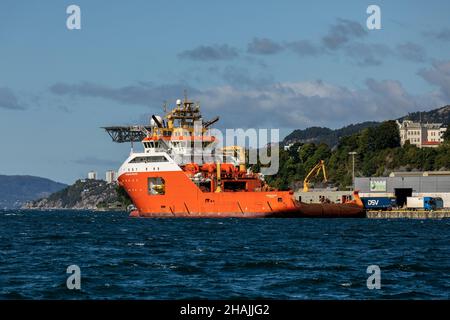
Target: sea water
(140, 258)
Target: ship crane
(314, 173)
(210, 122)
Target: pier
(411, 214)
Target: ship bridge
(181, 118)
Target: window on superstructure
(234, 186)
(149, 159)
(156, 186)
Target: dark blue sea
(128, 258)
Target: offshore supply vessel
(179, 174)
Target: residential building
(111, 176)
(420, 134)
(92, 175)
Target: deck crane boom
(320, 166)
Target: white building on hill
(92, 175)
(421, 134)
(111, 176)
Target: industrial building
(398, 185)
(407, 184)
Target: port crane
(315, 171)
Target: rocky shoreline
(83, 195)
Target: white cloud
(281, 105)
(439, 75)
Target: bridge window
(148, 145)
(156, 186)
(149, 159)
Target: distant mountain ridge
(16, 190)
(325, 135)
(331, 137)
(440, 115)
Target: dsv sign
(373, 202)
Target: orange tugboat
(175, 177)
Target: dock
(405, 214)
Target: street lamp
(353, 167)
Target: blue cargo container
(378, 203)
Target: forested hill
(378, 153)
(325, 135)
(441, 115)
(331, 137)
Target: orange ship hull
(182, 198)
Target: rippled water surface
(128, 258)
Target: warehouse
(406, 184)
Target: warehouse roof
(419, 173)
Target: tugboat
(176, 175)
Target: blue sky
(263, 64)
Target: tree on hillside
(442, 160)
(382, 137)
(447, 135)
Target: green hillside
(325, 135)
(331, 137)
(379, 153)
(440, 115)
